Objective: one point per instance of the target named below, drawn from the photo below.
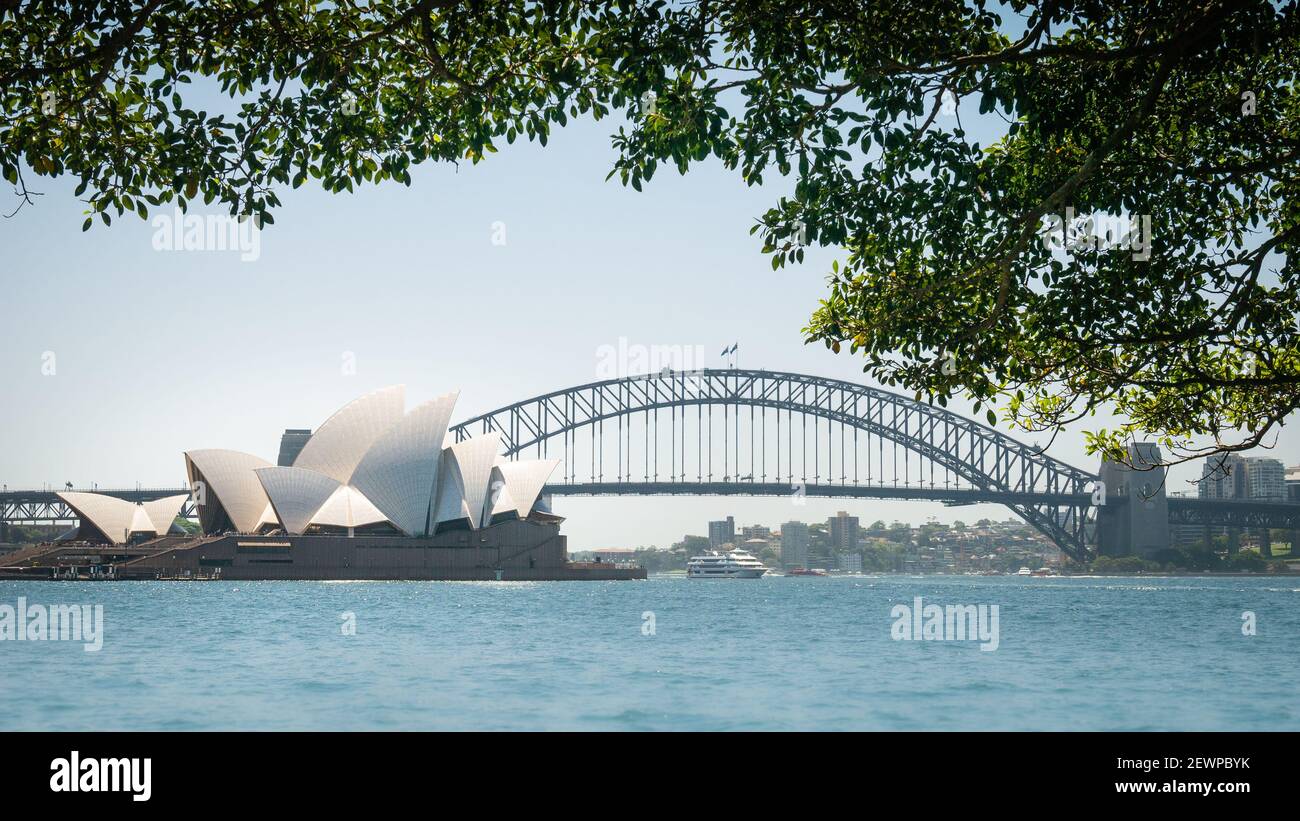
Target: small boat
(801, 571)
(1024, 571)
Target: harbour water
(663, 654)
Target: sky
(115, 356)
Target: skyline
(158, 347)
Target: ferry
(1024, 571)
(734, 565)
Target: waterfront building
(722, 532)
(843, 532)
(850, 562)
(794, 544)
(1293, 483)
(376, 492)
(372, 467)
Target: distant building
(1293, 483)
(843, 532)
(756, 532)
(291, 444)
(1232, 476)
(850, 562)
(614, 554)
(723, 532)
(794, 544)
(1218, 477)
(1264, 479)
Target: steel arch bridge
(754, 432)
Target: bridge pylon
(1134, 521)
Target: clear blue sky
(160, 352)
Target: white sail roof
(140, 521)
(163, 512)
(449, 503)
(116, 518)
(268, 516)
(338, 445)
(229, 477)
(472, 461)
(368, 463)
(526, 479)
(296, 494)
(399, 474)
(499, 498)
(347, 507)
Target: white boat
(734, 565)
(1024, 571)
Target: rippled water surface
(777, 653)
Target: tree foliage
(1181, 113)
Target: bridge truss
(751, 432)
(1239, 514)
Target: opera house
(376, 492)
(116, 521)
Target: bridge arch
(1050, 495)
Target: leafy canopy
(1174, 114)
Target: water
(778, 653)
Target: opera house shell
(116, 521)
(372, 468)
